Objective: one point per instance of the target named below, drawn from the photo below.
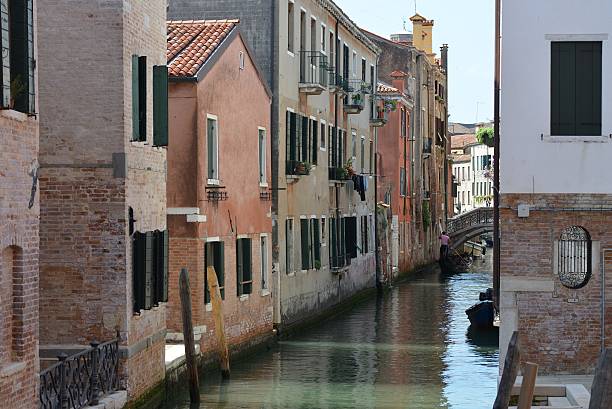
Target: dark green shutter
(315, 140)
(342, 254)
(166, 250)
(293, 136)
(138, 270)
(247, 266)
(239, 267)
(157, 267)
(142, 97)
(304, 244)
(350, 236)
(305, 137)
(22, 53)
(333, 242)
(316, 240)
(588, 88)
(160, 105)
(5, 66)
(149, 278)
(298, 137)
(220, 266)
(135, 100)
(208, 261)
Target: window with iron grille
(574, 257)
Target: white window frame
(323, 45)
(354, 146)
(354, 63)
(323, 123)
(323, 232)
(241, 60)
(262, 160)
(313, 23)
(290, 271)
(264, 264)
(362, 153)
(213, 181)
(291, 32)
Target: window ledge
(265, 293)
(263, 185)
(15, 115)
(244, 297)
(213, 182)
(11, 369)
(576, 139)
(291, 53)
(292, 274)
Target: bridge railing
(476, 217)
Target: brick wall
(92, 174)
(18, 261)
(560, 328)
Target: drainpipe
(336, 190)
(603, 297)
(496, 232)
(274, 49)
(379, 285)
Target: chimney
(399, 80)
(422, 32)
(444, 57)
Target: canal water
(410, 348)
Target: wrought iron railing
(313, 68)
(79, 380)
(477, 217)
(339, 173)
(216, 194)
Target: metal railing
(313, 68)
(79, 380)
(476, 217)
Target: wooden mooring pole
(530, 373)
(217, 310)
(601, 392)
(190, 353)
(511, 367)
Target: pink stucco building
(218, 180)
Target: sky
(468, 29)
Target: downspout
(336, 190)
(376, 173)
(445, 130)
(497, 84)
(274, 49)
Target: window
(315, 243)
(574, 257)
(331, 48)
(17, 40)
(289, 237)
(305, 245)
(149, 269)
(403, 122)
(244, 267)
(313, 34)
(313, 140)
(323, 231)
(354, 64)
(214, 256)
(323, 39)
(576, 84)
(363, 69)
(262, 155)
(290, 27)
(212, 137)
(241, 60)
(350, 235)
(160, 105)
(354, 145)
(139, 98)
(371, 156)
(264, 262)
(403, 182)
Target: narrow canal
(408, 349)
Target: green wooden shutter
(588, 88)
(138, 270)
(247, 266)
(305, 137)
(166, 250)
(157, 267)
(563, 88)
(149, 278)
(220, 267)
(239, 267)
(142, 98)
(333, 242)
(135, 99)
(315, 140)
(304, 244)
(342, 254)
(22, 53)
(293, 136)
(208, 261)
(316, 235)
(5, 66)
(160, 105)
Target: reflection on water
(409, 349)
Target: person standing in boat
(444, 242)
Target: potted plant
(357, 100)
(390, 105)
(486, 136)
(317, 264)
(348, 167)
(17, 88)
(302, 168)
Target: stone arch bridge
(468, 225)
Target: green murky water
(409, 349)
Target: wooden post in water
(601, 392)
(217, 310)
(511, 366)
(530, 373)
(190, 353)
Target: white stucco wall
(532, 161)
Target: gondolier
(444, 242)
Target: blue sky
(466, 26)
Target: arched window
(574, 257)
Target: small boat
(482, 314)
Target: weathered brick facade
(92, 174)
(560, 328)
(19, 210)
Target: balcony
(216, 193)
(337, 83)
(314, 76)
(298, 168)
(380, 117)
(340, 174)
(356, 92)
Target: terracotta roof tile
(461, 158)
(461, 141)
(192, 42)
